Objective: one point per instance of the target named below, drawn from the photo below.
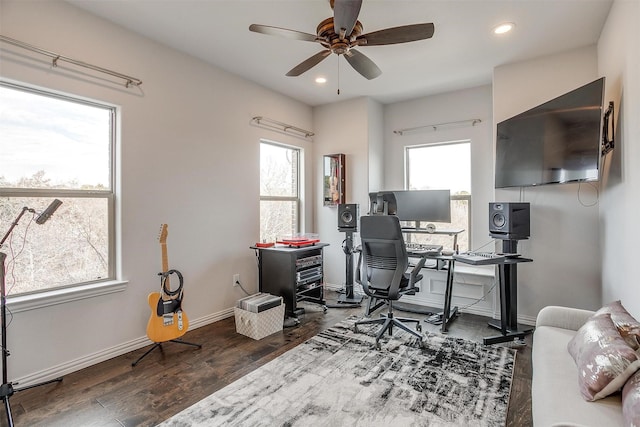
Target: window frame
(465, 197)
(86, 289)
(298, 197)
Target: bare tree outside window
(279, 191)
(54, 146)
(443, 166)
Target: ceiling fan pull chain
(338, 74)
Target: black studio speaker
(348, 216)
(509, 221)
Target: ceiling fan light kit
(342, 33)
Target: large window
(56, 147)
(279, 191)
(444, 166)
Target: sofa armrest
(563, 317)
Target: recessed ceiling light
(503, 28)
(321, 80)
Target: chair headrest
(380, 227)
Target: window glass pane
(278, 170)
(278, 219)
(48, 142)
(71, 247)
(56, 146)
(440, 166)
(443, 166)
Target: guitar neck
(165, 262)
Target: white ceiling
(461, 54)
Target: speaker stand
(349, 299)
(508, 325)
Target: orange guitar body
(166, 327)
(170, 325)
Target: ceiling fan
(342, 33)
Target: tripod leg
(7, 408)
(57, 380)
(148, 351)
(187, 343)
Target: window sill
(21, 303)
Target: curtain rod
(57, 57)
(282, 127)
(434, 127)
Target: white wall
(189, 158)
(474, 103)
(343, 127)
(466, 104)
(564, 241)
(619, 61)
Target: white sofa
(555, 397)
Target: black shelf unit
(294, 273)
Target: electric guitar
(167, 321)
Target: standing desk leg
(448, 314)
(508, 324)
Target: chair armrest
(563, 317)
(415, 271)
(358, 265)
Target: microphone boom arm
(15, 222)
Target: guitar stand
(159, 345)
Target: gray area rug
(338, 378)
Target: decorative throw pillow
(631, 401)
(628, 327)
(604, 359)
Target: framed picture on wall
(334, 185)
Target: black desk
(448, 313)
(508, 280)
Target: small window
(56, 147)
(444, 166)
(279, 191)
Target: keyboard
(479, 258)
(423, 248)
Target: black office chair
(382, 271)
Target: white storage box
(259, 325)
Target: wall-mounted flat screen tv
(556, 142)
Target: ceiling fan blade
(362, 64)
(308, 63)
(345, 15)
(282, 32)
(403, 34)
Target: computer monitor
(423, 205)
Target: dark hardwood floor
(113, 393)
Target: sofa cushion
(604, 359)
(631, 401)
(555, 399)
(628, 327)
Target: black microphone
(44, 216)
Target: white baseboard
(92, 359)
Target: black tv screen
(556, 142)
